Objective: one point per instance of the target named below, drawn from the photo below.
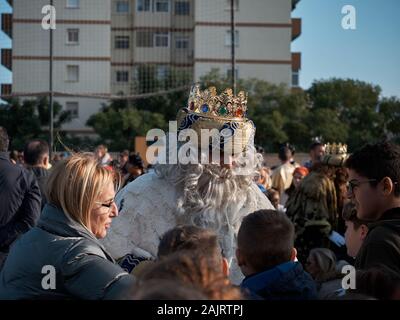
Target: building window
(143, 5)
(122, 76)
(72, 4)
(122, 42)
(295, 78)
(161, 5)
(161, 39)
(228, 38)
(73, 108)
(182, 43)
(72, 36)
(229, 5)
(162, 72)
(144, 39)
(182, 8)
(122, 6)
(72, 73)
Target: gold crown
(335, 154)
(335, 148)
(208, 103)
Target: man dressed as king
(208, 193)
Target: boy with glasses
(374, 175)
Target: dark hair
(4, 140)
(34, 151)
(124, 153)
(266, 239)
(186, 237)
(284, 150)
(314, 145)
(135, 160)
(350, 214)
(379, 282)
(271, 191)
(376, 161)
(190, 268)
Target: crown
(335, 149)
(208, 103)
(335, 154)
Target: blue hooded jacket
(287, 281)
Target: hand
(337, 239)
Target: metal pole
(233, 63)
(51, 128)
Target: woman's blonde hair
(74, 185)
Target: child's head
(192, 238)
(191, 269)
(274, 196)
(356, 229)
(265, 240)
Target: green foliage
(30, 120)
(339, 110)
(118, 124)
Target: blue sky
(370, 53)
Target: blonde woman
(61, 257)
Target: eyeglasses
(106, 204)
(352, 184)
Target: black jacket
(382, 244)
(19, 201)
(41, 175)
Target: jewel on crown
(225, 105)
(335, 149)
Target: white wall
(88, 9)
(254, 43)
(274, 73)
(87, 107)
(271, 11)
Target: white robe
(148, 210)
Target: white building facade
(99, 45)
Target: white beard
(204, 195)
(211, 196)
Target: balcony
(294, 4)
(6, 58)
(296, 28)
(6, 89)
(296, 61)
(6, 23)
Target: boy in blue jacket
(267, 258)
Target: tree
(30, 120)
(389, 108)
(352, 102)
(118, 124)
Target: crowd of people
(118, 229)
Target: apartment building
(81, 50)
(264, 31)
(156, 33)
(5, 48)
(102, 47)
